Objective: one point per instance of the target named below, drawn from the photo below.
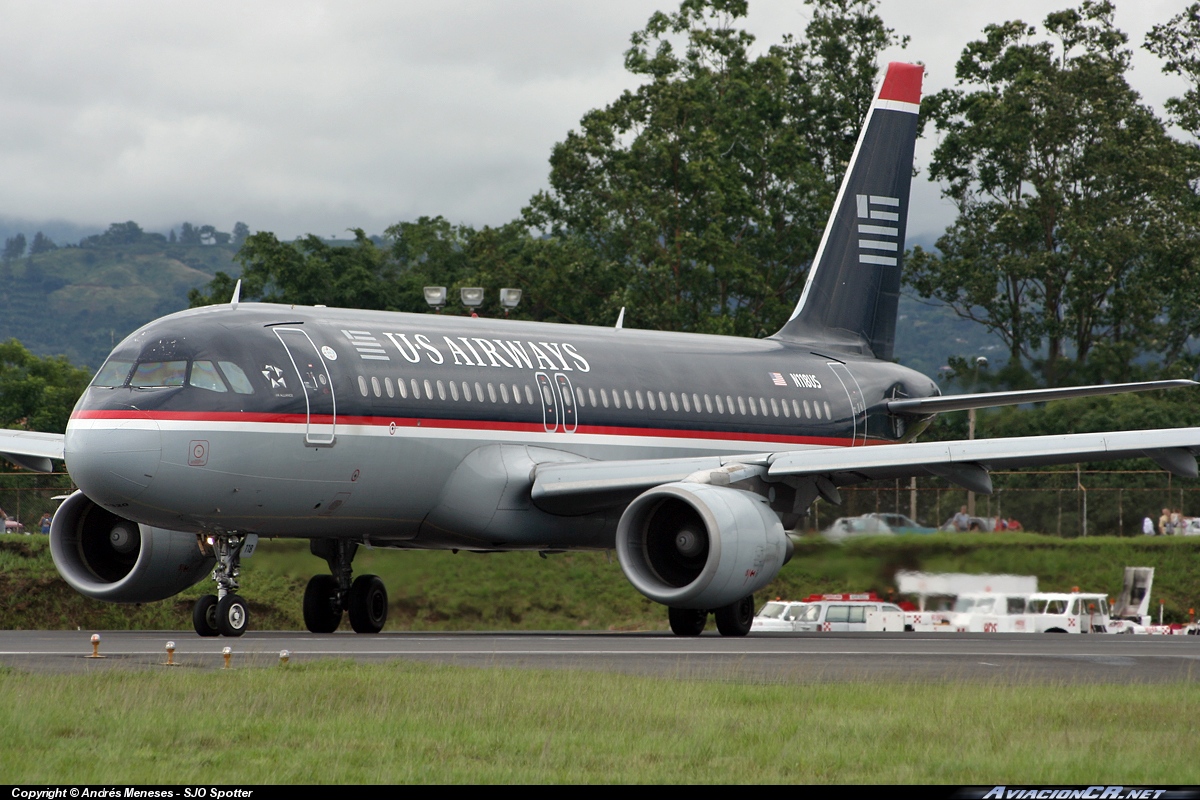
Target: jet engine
(695, 545)
(106, 557)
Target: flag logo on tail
(879, 236)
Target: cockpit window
(205, 376)
(237, 379)
(112, 374)
(158, 374)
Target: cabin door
(854, 396)
(313, 373)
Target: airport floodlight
(472, 296)
(435, 296)
(509, 298)
(981, 362)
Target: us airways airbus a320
(691, 455)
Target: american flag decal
(777, 379)
(876, 239)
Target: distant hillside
(79, 301)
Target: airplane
(691, 455)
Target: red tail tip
(902, 83)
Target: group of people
(1172, 522)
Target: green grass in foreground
(404, 722)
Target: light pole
(981, 362)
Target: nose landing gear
(327, 596)
(226, 612)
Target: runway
(795, 658)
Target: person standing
(1164, 521)
(1147, 526)
(45, 523)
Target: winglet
(621, 319)
(237, 294)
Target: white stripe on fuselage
(653, 444)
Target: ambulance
(834, 613)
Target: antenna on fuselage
(237, 294)
(621, 319)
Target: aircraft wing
(961, 402)
(31, 449)
(581, 486)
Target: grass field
(336, 722)
(586, 591)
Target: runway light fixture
(509, 298)
(435, 296)
(472, 296)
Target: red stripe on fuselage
(457, 424)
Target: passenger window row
(697, 403)
(444, 390)
(469, 391)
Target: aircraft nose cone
(113, 459)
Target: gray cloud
(309, 116)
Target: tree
(14, 248)
(706, 188)
(41, 244)
(240, 232)
(188, 234)
(118, 233)
(1066, 186)
(307, 272)
(37, 394)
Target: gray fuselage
(315, 422)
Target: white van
(832, 613)
(991, 612)
(777, 616)
(1068, 612)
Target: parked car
(777, 616)
(898, 523)
(849, 527)
(12, 526)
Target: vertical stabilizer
(853, 286)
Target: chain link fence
(1063, 502)
(25, 497)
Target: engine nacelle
(106, 557)
(695, 545)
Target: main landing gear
(327, 596)
(224, 613)
(734, 619)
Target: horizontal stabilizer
(961, 402)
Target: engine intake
(107, 557)
(695, 545)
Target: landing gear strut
(327, 596)
(226, 612)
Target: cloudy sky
(315, 117)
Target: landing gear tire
(232, 615)
(368, 604)
(322, 612)
(735, 619)
(687, 621)
(204, 615)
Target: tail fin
(853, 286)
